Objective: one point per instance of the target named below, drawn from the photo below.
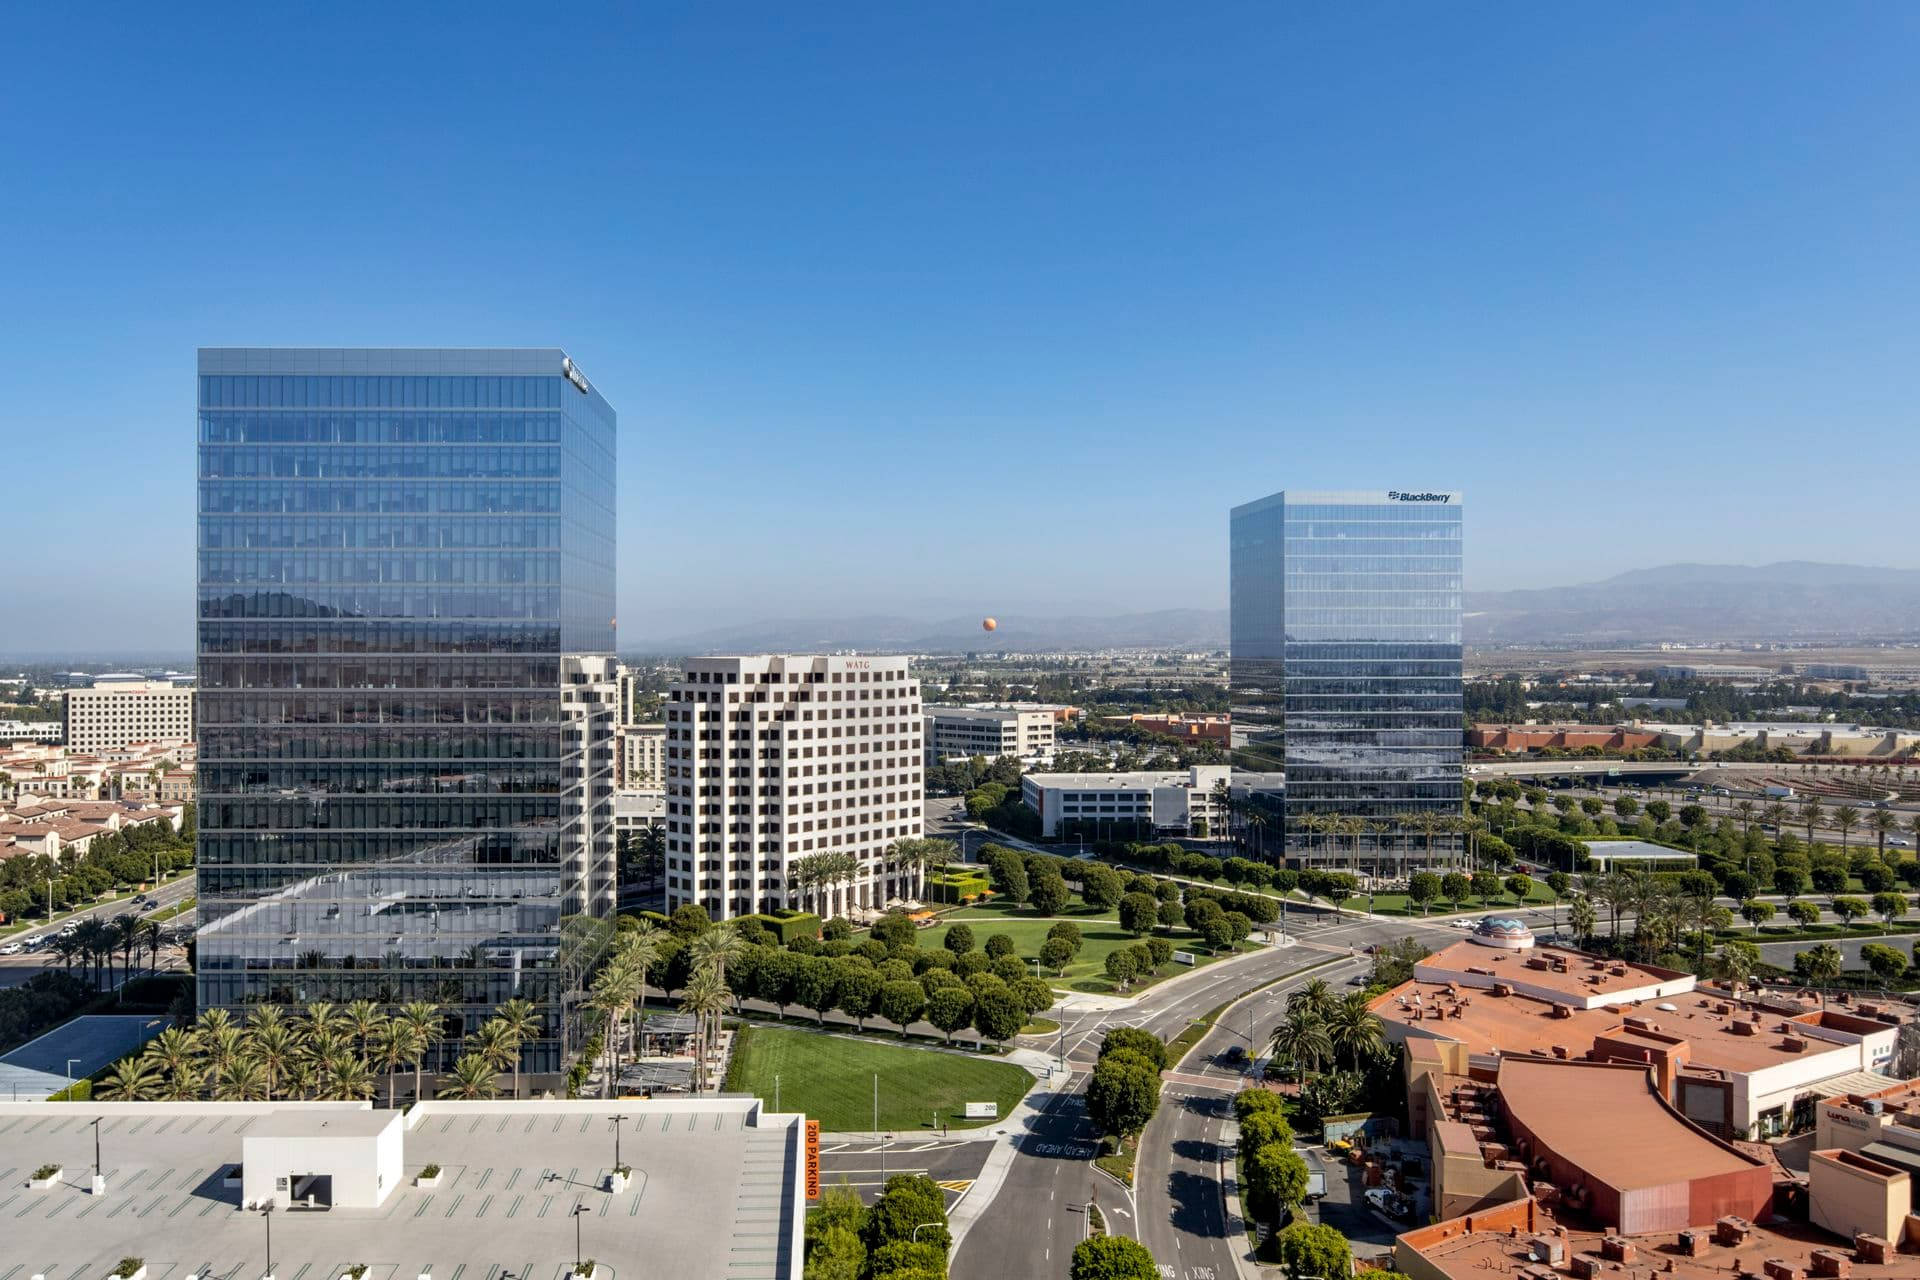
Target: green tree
(909, 1201)
(950, 1009)
(1889, 906)
(998, 1016)
(1112, 1258)
(1049, 894)
(1139, 912)
(1136, 1040)
(1123, 1093)
(1756, 912)
(1519, 886)
(1276, 1179)
(1850, 909)
(1423, 887)
(1736, 962)
(1886, 963)
(1819, 965)
(1803, 913)
(959, 939)
(1455, 886)
(1120, 968)
(1485, 885)
(901, 1003)
(1000, 944)
(1100, 886)
(1056, 953)
(1311, 1249)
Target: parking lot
(73, 1051)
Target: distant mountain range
(1790, 600)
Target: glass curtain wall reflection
(1346, 669)
(405, 616)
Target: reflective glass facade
(1346, 652)
(406, 599)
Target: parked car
(1389, 1202)
(12, 949)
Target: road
(1177, 1181)
(1038, 1213)
(16, 969)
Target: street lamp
(579, 1211)
(617, 1122)
(266, 1216)
(71, 1081)
(914, 1235)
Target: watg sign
(813, 1159)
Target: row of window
(370, 391)
(359, 636)
(379, 428)
(316, 462)
(458, 568)
(383, 602)
(379, 533)
(360, 497)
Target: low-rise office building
(961, 733)
(1093, 805)
(640, 756)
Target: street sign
(1183, 957)
(813, 1159)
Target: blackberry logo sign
(1398, 496)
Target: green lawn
(1100, 934)
(831, 1079)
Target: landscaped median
(832, 1078)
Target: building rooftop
(301, 1122)
(1488, 1023)
(1549, 973)
(717, 1191)
(1622, 1133)
(1495, 1242)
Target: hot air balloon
(989, 624)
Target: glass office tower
(1346, 667)
(406, 604)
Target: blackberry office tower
(405, 640)
(1346, 669)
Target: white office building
(1097, 805)
(114, 713)
(775, 759)
(960, 733)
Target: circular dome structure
(1504, 932)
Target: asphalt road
(16, 969)
(866, 1166)
(1038, 1214)
(1182, 1220)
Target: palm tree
(184, 1085)
(132, 1080)
(522, 1023)
(1299, 1038)
(1746, 809)
(94, 939)
(424, 1017)
(1775, 815)
(641, 948)
(351, 1079)
(1884, 824)
(172, 1050)
(364, 1018)
(706, 997)
(1582, 917)
(615, 989)
(274, 1046)
(245, 1081)
(399, 1041)
(494, 1044)
(1354, 1029)
(472, 1077)
(712, 949)
(68, 947)
(150, 937)
(1845, 818)
(221, 1041)
(1821, 963)
(1316, 997)
(323, 1015)
(1812, 812)
(1735, 963)
(126, 935)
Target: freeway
(1038, 1213)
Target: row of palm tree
(1403, 827)
(324, 1051)
(94, 941)
(619, 993)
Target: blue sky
(990, 308)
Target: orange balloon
(989, 624)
